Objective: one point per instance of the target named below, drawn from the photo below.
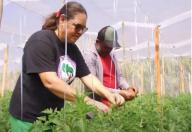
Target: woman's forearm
(58, 86)
(95, 85)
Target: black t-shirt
(43, 52)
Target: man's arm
(126, 91)
(121, 81)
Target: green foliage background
(140, 115)
(143, 114)
(4, 114)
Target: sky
(21, 18)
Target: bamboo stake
(151, 77)
(182, 84)
(163, 76)
(142, 80)
(190, 84)
(133, 80)
(190, 75)
(157, 63)
(5, 68)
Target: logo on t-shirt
(66, 69)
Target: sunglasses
(79, 27)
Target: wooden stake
(151, 77)
(133, 80)
(182, 84)
(163, 76)
(142, 80)
(190, 84)
(5, 67)
(157, 63)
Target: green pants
(18, 125)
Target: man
(103, 64)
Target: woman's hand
(100, 106)
(96, 86)
(116, 99)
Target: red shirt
(109, 77)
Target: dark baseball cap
(108, 35)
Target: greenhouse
(47, 89)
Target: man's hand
(134, 89)
(129, 93)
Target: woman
(51, 61)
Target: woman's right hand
(100, 106)
(116, 99)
